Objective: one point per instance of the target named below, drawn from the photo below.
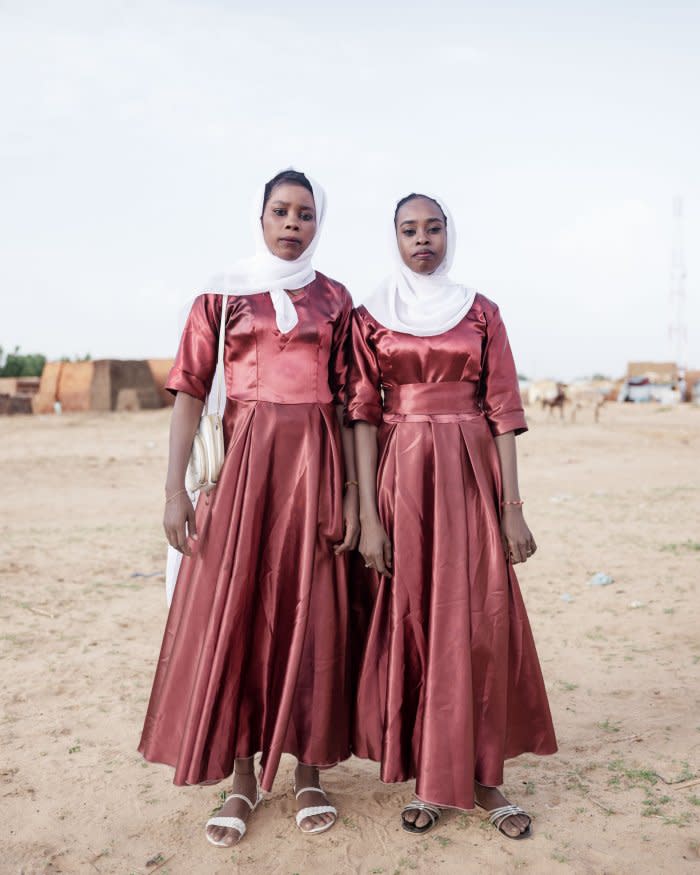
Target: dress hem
(369, 758)
(213, 781)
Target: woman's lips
(292, 241)
(424, 255)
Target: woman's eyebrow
(281, 203)
(414, 222)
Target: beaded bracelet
(175, 495)
(518, 503)
(351, 483)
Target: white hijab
(421, 304)
(265, 272)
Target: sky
(133, 136)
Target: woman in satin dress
(449, 681)
(254, 652)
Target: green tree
(14, 364)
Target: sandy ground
(83, 609)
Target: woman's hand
(179, 522)
(375, 547)
(518, 543)
(351, 520)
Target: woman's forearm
(508, 458)
(183, 426)
(348, 445)
(366, 461)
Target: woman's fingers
(349, 542)
(515, 552)
(191, 521)
(375, 559)
(506, 547)
(388, 554)
(184, 546)
(345, 544)
(171, 536)
(180, 524)
(378, 563)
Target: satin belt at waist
(431, 398)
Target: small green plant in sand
(626, 777)
(569, 686)
(609, 725)
(688, 546)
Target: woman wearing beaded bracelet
(449, 685)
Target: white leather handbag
(207, 454)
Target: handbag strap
(219, 375)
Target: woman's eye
(436, 230)
(307, 217)
(409, 232)
(278, 211)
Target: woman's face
(289, 220)
(421, 234)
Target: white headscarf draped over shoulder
(421, 304)
(265, 272)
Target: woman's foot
(419, 816)
(490, 799)
(307, 776)
(245, 784)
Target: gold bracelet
(518, 503)
(174, 495)
(351, 483)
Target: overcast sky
(133, 135)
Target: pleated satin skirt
(448, 682)
(254, 655)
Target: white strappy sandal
(232, 822)
(312, 810)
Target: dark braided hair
(412, 197)
(293, 176)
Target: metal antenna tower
(677, 329)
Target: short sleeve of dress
(195, 363)
(364, 396)
(339, 362)
(500, 397)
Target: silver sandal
(432, 811)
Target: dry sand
(83, 609)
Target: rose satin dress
(449, 683)
(254, 652)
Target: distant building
(651, 381)
(16, 394)
(692, 386)
(105, 384)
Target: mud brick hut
(16, 394)
(102, 385)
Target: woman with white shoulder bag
(254, 655)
